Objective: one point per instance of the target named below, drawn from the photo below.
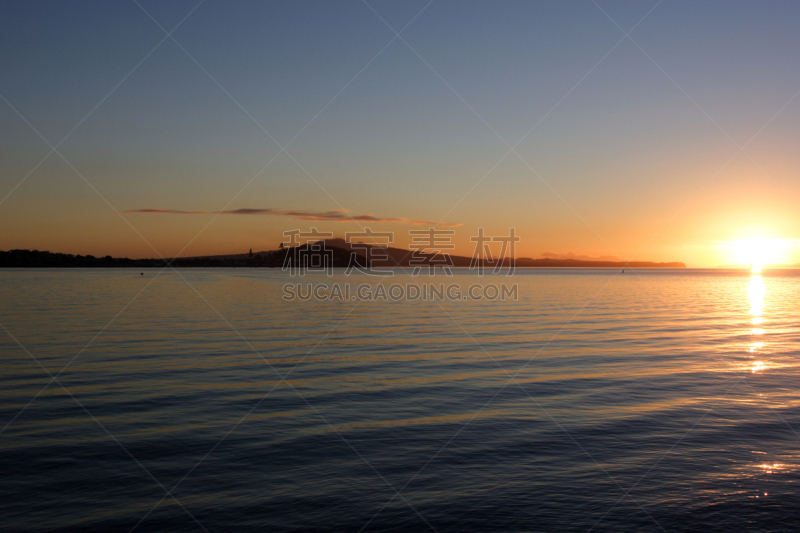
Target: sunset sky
(671, 144)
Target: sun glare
(757, 253)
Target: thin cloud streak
(329, 216)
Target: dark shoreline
(339, 257)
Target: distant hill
(546, 262)
(570, 255)
(399, 257)
(339, 252)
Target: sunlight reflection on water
(757, 291)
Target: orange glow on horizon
(759, 252)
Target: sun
(759, 252)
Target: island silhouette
(337, 253)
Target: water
(657, 401)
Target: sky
(663, 131)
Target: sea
(240, 399)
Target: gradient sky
(659, 146)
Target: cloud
(338, 215)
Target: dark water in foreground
(666, 401)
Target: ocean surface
(200, 400)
